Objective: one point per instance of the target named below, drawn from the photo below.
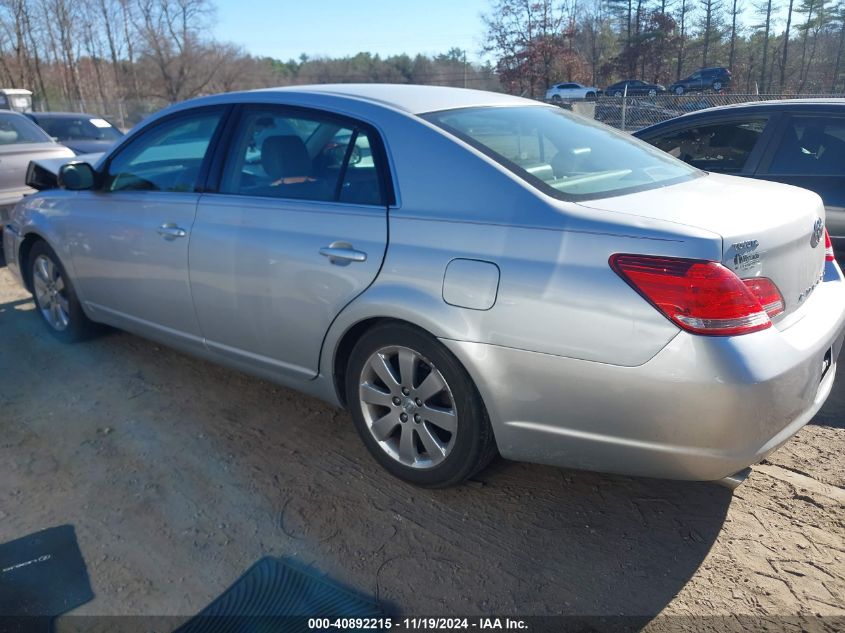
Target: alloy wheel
(51, 293)
(408, 407)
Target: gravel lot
(179, 474)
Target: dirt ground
(178, 474)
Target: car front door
(810, 153)
(131, 235)
(295, 229)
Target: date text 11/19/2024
(415, 624)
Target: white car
(559, 92)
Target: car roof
(411, 98)
(754, 107)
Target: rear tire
(55, 297)
(717, 86)
(416, 408)
(556, 99)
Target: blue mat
(279, 596)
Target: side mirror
(77, 176)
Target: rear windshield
(562, 154)
(15, 129)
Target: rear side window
(811, 146)
(721, 147)
(562, 154)
(16, 129)
(168, 157)
(76, 129)
(276, 153)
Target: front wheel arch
(23, 257)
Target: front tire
(679, 90)
(717, 86)
(556, 99)
(55, 297)
(416, 408)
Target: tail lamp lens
(828, 247)
(700, 296)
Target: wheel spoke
(432, 446)
(384, 371)
(442, 418)
(50, 269)
(383, 427)
(63, 304)
(373, 395)
(42, 297)
(407, 367)
(407, 450)
(56, 314)
(60, 283)
(41, 270)
(431, 386)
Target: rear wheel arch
(347, 341)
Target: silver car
(467, 272)
(20, 142)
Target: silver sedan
(467, 272)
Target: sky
(284, 29)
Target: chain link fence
(636, 112)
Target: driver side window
(168, 157)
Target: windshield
(16, 128)
(562, 154)
(79, 129)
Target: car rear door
(130, 241)
(294, 227)
(809, 152)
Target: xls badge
(818, 232)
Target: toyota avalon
(468, 273)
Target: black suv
(715, 79)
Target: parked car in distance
(83, 133)
(20, 142)
(562, 92)
(635, 87)
(715, 79)
(799, 142)
(546, 287)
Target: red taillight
(828, 247)
(767, 294)
(698, 296)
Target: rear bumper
(703, 408)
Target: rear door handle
(170, 231)
(342, 254)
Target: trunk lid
(768, 229)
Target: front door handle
(342, 253)
(170, 231)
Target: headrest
(285, 157)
